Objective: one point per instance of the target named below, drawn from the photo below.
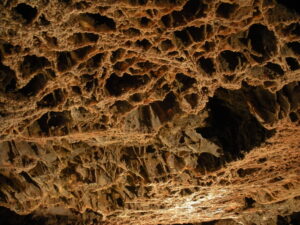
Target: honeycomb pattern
(150, 111)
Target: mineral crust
(150, 112)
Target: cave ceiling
(149, 112)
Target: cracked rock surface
(150, 112)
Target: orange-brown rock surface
(150, 112)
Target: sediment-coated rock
(149, 112)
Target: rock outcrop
(149, 112)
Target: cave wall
(149, 112)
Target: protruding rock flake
(149, 112)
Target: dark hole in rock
(91, 84)
(292, 92)
(249, 202)
(146, 65)
(166, 88)
(282, 220)
(295, 46)
(82, 52)
(132, 32)
(3, 198)
(231, 60)
(144, 21)
(138, 2)
(292, 219)
(150, 149)
(293, 116)
(275, 67)
(166, 45)
(292, 63)
(76, 89)
(273, 70)
(241, 172)
(197, 34)
(180, 59)
(100, 23)
(53, 120)
(58, 119)
(28, 179)
(169, 102)
(120, 202)
(32, 64)
(179, 162)
(145, 44)
(123, 65)
(82, 38)
(132, 189)
(117, 54)
(207, 65)
(44, 21)
(264, 103)
(64, 61)
(186, 191)
(192, 99)
(295, 218)
(7, 79)
(209, 46)
(178, 19)
(276, 179)
(118, 85)
(208, 162)
(9, 217)
(229, 78)
(91, 37)
(86, 77)
(194, 9)
(67, 2)
(293, 29)
(95, 61)
(136, 97)
(231, 125)
(34, 85)
(166, 109)
(290, 4)
(160, 169)
(184, 37)
(263, 41)
(142, 2)
(143, 172)
(69, 170)
(52, 99)
(122, 106)
(166, 20)
(225, 10)
(8, 48)
(174, 53)
(39, 169)
(262, 160)
(167, 3)
(205, 223)
(145, 116)
(27, 12)
(82, 5)
(186, 81)
(50, 73)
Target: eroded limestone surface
(149, 112)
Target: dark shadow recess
(231, 125)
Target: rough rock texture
(150, 112)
